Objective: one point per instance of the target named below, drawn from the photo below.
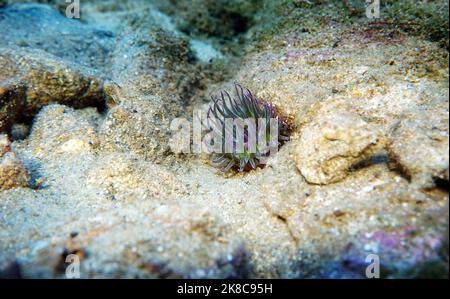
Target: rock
(401, 252)
(41, 62)
(13, 173)
(331, 144)
(4, 144)
(12, 93)
(60, 130)
(419, 143)
(31, 79)
(342, 228)
(153, 80)
(38, 26)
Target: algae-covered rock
(11, 103)
(31, 79)
(46, 58)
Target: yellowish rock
(12, 172)
(331, 144)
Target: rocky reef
(86, 166)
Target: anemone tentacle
(244, 105)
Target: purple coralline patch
(405, 245)
(403, 253)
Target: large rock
(59, 129)
(12, 91)
(31, 79)
(333, 185)
(332, 143)
(45, 58)
(419, 143)
(154, 79)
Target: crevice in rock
(284, 221)
(395, 166)
(441, 184)
(379, 158)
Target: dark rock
(30, 79)
(40, 27)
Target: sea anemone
(257, 115)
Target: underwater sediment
(86, 166)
